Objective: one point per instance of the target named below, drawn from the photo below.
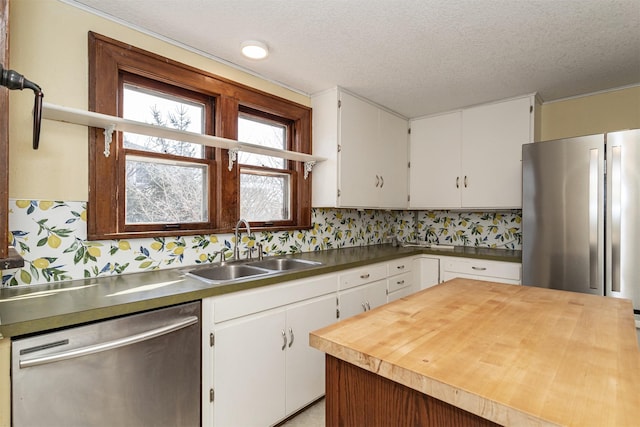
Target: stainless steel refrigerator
(581, 215)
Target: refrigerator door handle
(594, 215)
(616, 206)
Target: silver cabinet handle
(284, 340)
(110, 345)
(479, 268)
(365, 276)
(400, 282)
(364, 307)
(368, 306)
(457, 182)
(616, 184)
(381, 181)
(465, 181)
(593, 218)
(377, 181)
(291, 337)
(400, 267)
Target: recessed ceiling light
(254, 49)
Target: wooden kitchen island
(468, 353)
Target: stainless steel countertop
(37, 308)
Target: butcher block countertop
(515, 355)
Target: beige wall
(590, 114)
(48, 42)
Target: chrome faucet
(236, 250)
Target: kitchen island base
(357, 397)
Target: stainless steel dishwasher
(139, 370)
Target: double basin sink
(230, 272)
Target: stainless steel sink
(283, 264)
(235, 271)
(227, 272)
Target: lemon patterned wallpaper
(51, 236)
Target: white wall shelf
(113, 123)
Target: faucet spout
(236, 250)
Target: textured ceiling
(416, 57)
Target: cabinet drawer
(243, 303)
(503, 270)
(400, 281)
(399, 266)
(360, 276)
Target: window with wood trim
(265, 181)
(151, 186)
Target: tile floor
(313, 416)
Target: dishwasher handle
(109, 345)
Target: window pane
(264, 197)
(148, 106)
(264, 133)
(163, 192)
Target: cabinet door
(492, 138)
(305, 365)
(358, 300)
(392, 158)
(375, 294)
(358, 141)
(249, 366)
(427, 272)
(434, 176)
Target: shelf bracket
(108, 137)
(233, 156)
(308, 167)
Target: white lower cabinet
(249, 371)
(426, 271)
(400, 282)
(260, 368)
(361, 289)
(493, 271)
(362, 298)
(305, 365)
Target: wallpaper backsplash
(52, 238)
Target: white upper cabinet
(393, 160)
(492, 138)
(471, 158)
(366, 148)
(435, 147)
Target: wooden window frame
(4, 134)
(108, 59)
